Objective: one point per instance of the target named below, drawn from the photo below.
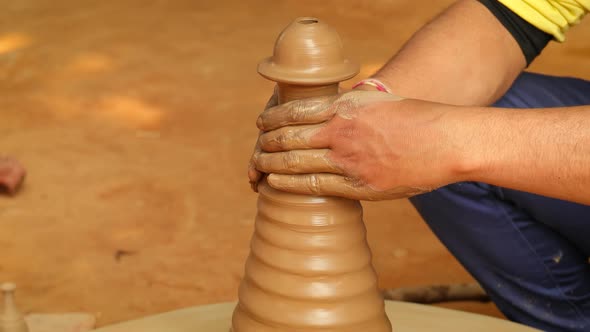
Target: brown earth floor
(136, 121)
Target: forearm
(543, 151)
(463, 57)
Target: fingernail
(259, 123)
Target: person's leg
(529, 252)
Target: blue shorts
(529, 252)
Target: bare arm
(466, 57)
(369, 145)
(544, 151)
(463, 57)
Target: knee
(532, 90)
(452, 199)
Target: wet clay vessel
(309, 268)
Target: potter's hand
(362, 145)
(253, 174)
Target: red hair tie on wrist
(374, 83)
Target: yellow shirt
(552, 16)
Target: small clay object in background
(12, 174)
(11, 320)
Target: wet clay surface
(308, 51)
(309, 268)
(136, 121)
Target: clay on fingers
(297, 162)
(338, 185)
(294, 138)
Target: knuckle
(283, 138)
(346, 105)
(291, 160)
(298, 110)
(299, 138)
(273, 141)
(313, 184)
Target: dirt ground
(136, 119)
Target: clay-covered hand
(253, 174)
(363, 145)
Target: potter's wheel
(404, 317)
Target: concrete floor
(136, 121)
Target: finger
(294, 138)
(318, 184)
(303, 111)
(337, 185)
(254, 175)
(296, 162)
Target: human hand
(362, 145)
(253, 174)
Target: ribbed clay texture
(309, 268)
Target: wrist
(365, 87)
(468, 129)
(372, 84)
